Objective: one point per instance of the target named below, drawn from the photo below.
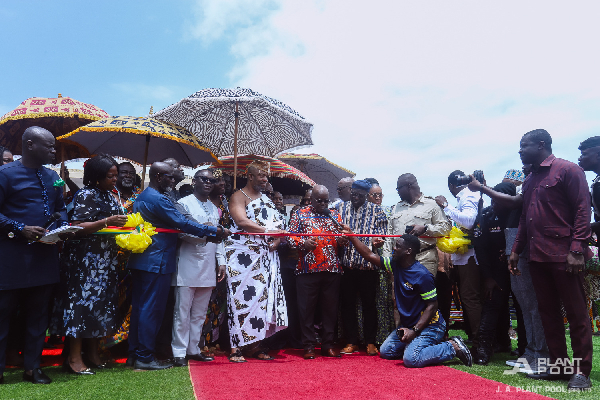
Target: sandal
(236, 354)
(264, 354)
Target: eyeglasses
(358, 194)
(377, 195)
(206, 179)
(321, 201)
(401, 186)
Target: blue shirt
(413, 286)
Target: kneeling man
(418, 341)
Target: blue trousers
(148, 303)
(34, 302)
(426, 349)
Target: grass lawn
(115, 383)
(556, 389)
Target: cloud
(425, 87)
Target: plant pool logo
(562, 365)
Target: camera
(464, 180)
(409, 229)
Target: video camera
(462, 180)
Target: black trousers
(443, 286)
(34, 305)
(323, 287)
(361, 283)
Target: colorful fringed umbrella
(144, 140)
(239, 121)
(279, 169)
(59, 115)
(318, 168)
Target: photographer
(465, 216)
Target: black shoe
(200, 357)
(89, 363)
(463, 352)
(152, 365)
(546, 376)
(516, 353)
(180, 362)
(67, 368)
(579, 382)
(130, 361)
(482, 357)
(37, 376)
(1, 379)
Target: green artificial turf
(115, 383)
(556, 389)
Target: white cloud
(425, 87)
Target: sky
(390, 86)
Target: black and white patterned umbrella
(265, 126)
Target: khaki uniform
(425, 211)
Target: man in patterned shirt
(360, 276)
(318, 272)
(418, 341)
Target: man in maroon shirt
(555, 224)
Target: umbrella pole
(145, 160)
(62, 166)
(235, 147)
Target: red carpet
(356, 376)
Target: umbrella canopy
(266, 126)
(59, 115)
(143, 140)
(279, 169)
(318, 168)
(232, 121)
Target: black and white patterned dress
(88, 297)
(255, 299)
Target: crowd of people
(234, 271)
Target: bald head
(161, 177)
(37, 147)
(319, 198)
(408, 188)
(344, 187)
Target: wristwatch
(579, 253)
(417, 330)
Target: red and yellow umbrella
(59, 115)
(279, 169)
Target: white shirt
(197, 259)
(464, 215)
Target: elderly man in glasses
(318, 272)
(360, 277)
(196, 275)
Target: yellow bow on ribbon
(455, 242)
(139, 239)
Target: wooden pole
(145, 160)
(235, 147)
(62, 165)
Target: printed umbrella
(318, 168)
(143, 140)
(232, 121)
(279, 169)
(59, 115)
(284, 178)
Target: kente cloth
(256, 302)
(368, 219)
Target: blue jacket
(22, 202)
(159, 210)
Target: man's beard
(127, 183)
